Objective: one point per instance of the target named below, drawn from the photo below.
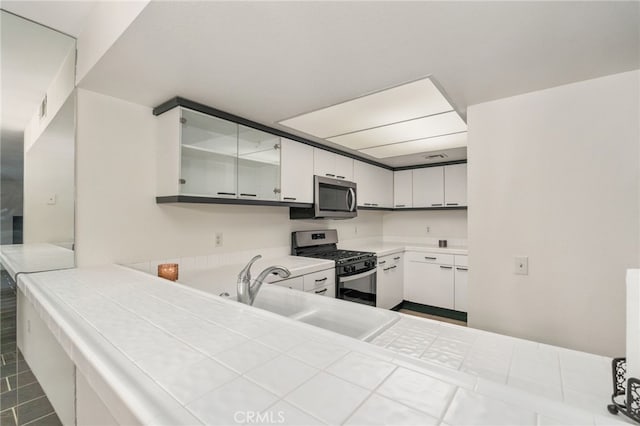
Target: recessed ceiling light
(408, 101)
(437, 143)
(421, 128)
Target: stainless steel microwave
(333, 199)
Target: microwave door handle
(352, 204)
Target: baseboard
(432, 310)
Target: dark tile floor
(22, 400)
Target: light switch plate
(521, 266)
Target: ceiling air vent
(435, 156)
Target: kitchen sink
(350, 319)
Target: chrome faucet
(247, 291)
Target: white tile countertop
(384, 248)
(36, 257)
(220, 279)
(162, 353)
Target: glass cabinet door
(209, 157)
(258, 164)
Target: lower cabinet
(390, 281)
(436, 280)
(321, 283)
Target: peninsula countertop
(35, 257)
(189, 357)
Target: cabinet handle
(226, 193)
(390, 267)
(436, 205)
(375, 204)
(430, 258)
(182, 181)
(382, 262)
(400, 205)
(290, 198)
(323, 291)
(247, 195)
(462, 269)
(321, 280)
(340, 177)
(452, 204)
(446, 267)
(396, 258)
(329, 175)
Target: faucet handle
(246, 271)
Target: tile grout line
(15, 416)
(36, 419)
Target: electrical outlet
(218, 239)
(53, 198)
(521, 266)
(428, 229)
(28, 326)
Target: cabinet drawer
(441, 259)
(461, 260)
(320, 279)
(296, 283)
(327, 290)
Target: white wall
(442, 224)
(49, 170)
(118, 219)
(554, 175)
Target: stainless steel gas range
(355, 270)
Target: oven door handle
(357, 277)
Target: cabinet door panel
(428, 187)
(364, 177)
(258, 164)
(323, 163)
(343, 167)
(455, 185)
(430, 284)
(296, 171)
(461, 286)
(403, 188)
(384, 187)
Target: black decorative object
(626, 392)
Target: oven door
(359, 288)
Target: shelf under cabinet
(193, 199)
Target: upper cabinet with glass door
(204, 156)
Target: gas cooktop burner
(341, 256)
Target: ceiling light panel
(423, 145)
(421, 128)
(413, 100)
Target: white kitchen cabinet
(295, 283)
(202, 155)
(455, 185)
(375, 185)
(390, 281)
(460, 282)
(428, 187)
(296, 171)
(403, 189)
(329, 164)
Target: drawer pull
(430, 258)
(400, 205)
(452, 204)
(390, 267)
(329, 175)
(462, 269)
(396, 258)
(436, 205)
(247, 195)
(382, 262)
(323, 291)
(446, 267)
(321, 280)
(226, 193)
(290, 198)
(374, 205)
(340, 177)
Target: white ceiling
(68, 17)
(271, 61)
